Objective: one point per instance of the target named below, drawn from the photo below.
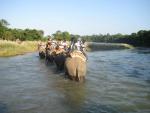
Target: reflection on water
(117, 82)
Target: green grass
(107, 46)
(11, 48)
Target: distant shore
(12, 48)
(97, 46)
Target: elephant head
(49, 55)
(42, 52)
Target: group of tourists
(67, 55)
(63, 46)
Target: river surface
(117, 81)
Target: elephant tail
(77, 75)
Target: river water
(117, 81)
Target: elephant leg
(80, 75)
(46, 60)
(74, 78)
(82, 78)
(66, 71)
(79, 78)
(58, 66)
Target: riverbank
(12, 48)
(94, 46)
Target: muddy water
(117, 81)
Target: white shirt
(78, 45)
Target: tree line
(13, 34)
(141, 38)
(7, 33)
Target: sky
(83, 17)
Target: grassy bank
(11, 48)
(93, 46)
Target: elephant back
(41, 48)
(75, 66)
(78, 54)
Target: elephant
(59, 60)
(42, 54)
(49, 56)
(75, 66)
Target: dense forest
(7, 33)
(141, 38)
(13, 34)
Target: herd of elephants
(73, 63)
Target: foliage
(61, 35)
(3, 23)
(141, 38)
(13, 34)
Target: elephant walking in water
(42, 54)
(59, 57)
(59, 60)
(41, 48)
(75, 66)
(49, 56)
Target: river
(117, 81)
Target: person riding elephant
(59, 57)
(49, 56)
(80, 46)
(64, 44)
(75, 63)
(72, 45)
(41, 49)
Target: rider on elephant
(72, 47)
(63, 44)
(80, 46)
(58, 50)
(49, 43)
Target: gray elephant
(42, 54)
(41, 48)
(75, 66)
(49, 56)
(59, 60)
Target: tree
(61, 35)
(66, 35)
(3, 27)
(3, 23)
(8, 35)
